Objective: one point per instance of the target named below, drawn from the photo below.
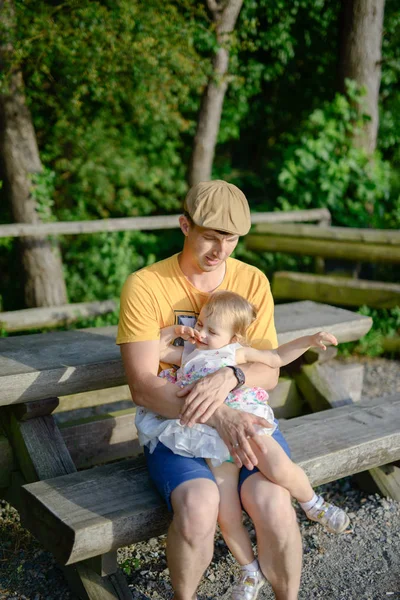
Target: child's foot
(248, 586)
(333, 518)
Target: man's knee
(195, 505)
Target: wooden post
(326, 387)
(42, 454)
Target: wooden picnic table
(37, 366)
(83, 517)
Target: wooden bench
(83, 517)
(115, 505)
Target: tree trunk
(360, 59)
(225, 15)
(44, 280)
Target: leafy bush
(386, 324)
(324, 168)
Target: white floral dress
(201, 440)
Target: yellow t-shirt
(160, 295)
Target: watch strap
(240, 376)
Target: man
(172, 292)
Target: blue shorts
(168, 470)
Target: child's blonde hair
(234, 309)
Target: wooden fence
(287, 232)
(359, 245)
(40, 318)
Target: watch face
(239, 376)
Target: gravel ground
(362, 564)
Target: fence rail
(322, 215)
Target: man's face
(209, 248)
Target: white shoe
(334, 519)
(248, 586)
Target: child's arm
(287, 353)
(173, 354)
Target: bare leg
(278, 468)
(278, 536)
(190, 543)
(230, 516)
(275, 464)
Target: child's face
(214, 334)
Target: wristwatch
(240, 376)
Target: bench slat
(38, 366)
(91, 512)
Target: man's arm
(260, 375)
(141, 364)
(141, 361)
(204, 397)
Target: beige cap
(218, 205)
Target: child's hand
(322, 338)
(188, 333)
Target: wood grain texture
(313, 247)
(389, 237)
(89, 585)
(344, 291)
(387, 478)
(41, 453)
(345, 440)
(7, 463)
(147, 223)
(323, 389)
(39, 408)
(39, 448)
(285, 399)
(37, 366)
(51, 316)
(329, 385)
(106, 507)
(95, 511)
(93, 398)
(295, 319)
(102, 439)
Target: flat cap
(218, 205)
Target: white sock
(253, 566)
(307, 505)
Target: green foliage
(115, 87)
(108, 83)
(43, 192)
(130, 564)
(270, 42)
(386, 323)
(100, 273)
(323, 168)
(269, 262)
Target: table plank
(37, 366)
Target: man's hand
(236, 427)
(205, 396)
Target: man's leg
(190, 542)
(278, 536)
(190, 491)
